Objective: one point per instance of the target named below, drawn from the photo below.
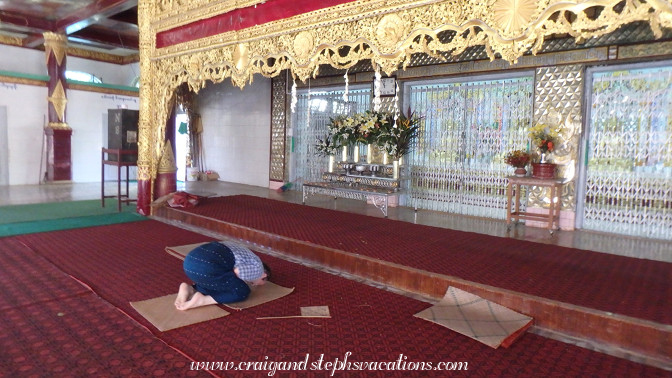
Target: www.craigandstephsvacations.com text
(332, 366)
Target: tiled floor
(609, 243)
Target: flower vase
(369, 153)
(331, 163)
(543, 170)
(395, 169)
(520, 172)
(355, 154)
(344, 157)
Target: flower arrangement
(369, 126)
(342, 130)
(326, 146)
(518, 158)
(544, 137)
(397, 139)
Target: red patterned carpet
(127, 262)
(51, 325)
(628, 286)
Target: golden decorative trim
(12, 41)
(174, 13)
(102, 57)
(58, 125)
(149, 127)
(167, 162)
(596, 54)
(143, 172)
(512, 15)
(645, 50)
(389, 31)
(22, 80)
(58, 100)
(55, 44)
(93, 88)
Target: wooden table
(118, 162)
(552, 218)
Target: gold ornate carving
(58, 100)
(55, 44)
(387, 32)
(390, 31)
(304, 43)
(513, 15)
(241, 56)
(143, 172)
(167, 162)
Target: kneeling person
(221, 272)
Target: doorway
(626, 175)
(182, 145)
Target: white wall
(19, 59)
(26, 108)
(26, 117)
(86, 114)
(236, 131)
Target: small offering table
(119, 162)
(378, 195)
(552, 218)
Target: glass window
(82, 76)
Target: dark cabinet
(122, 133)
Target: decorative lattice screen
(628, 172)
(468, 127)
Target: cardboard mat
(181, 251)
(477, 318)
(261, 294)
(161, 312)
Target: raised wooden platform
(637, 339)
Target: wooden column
(59, 158)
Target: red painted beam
(242, 18)
(36, 24)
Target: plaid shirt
(249, 265)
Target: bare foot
(196, 300)
(184, 294)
